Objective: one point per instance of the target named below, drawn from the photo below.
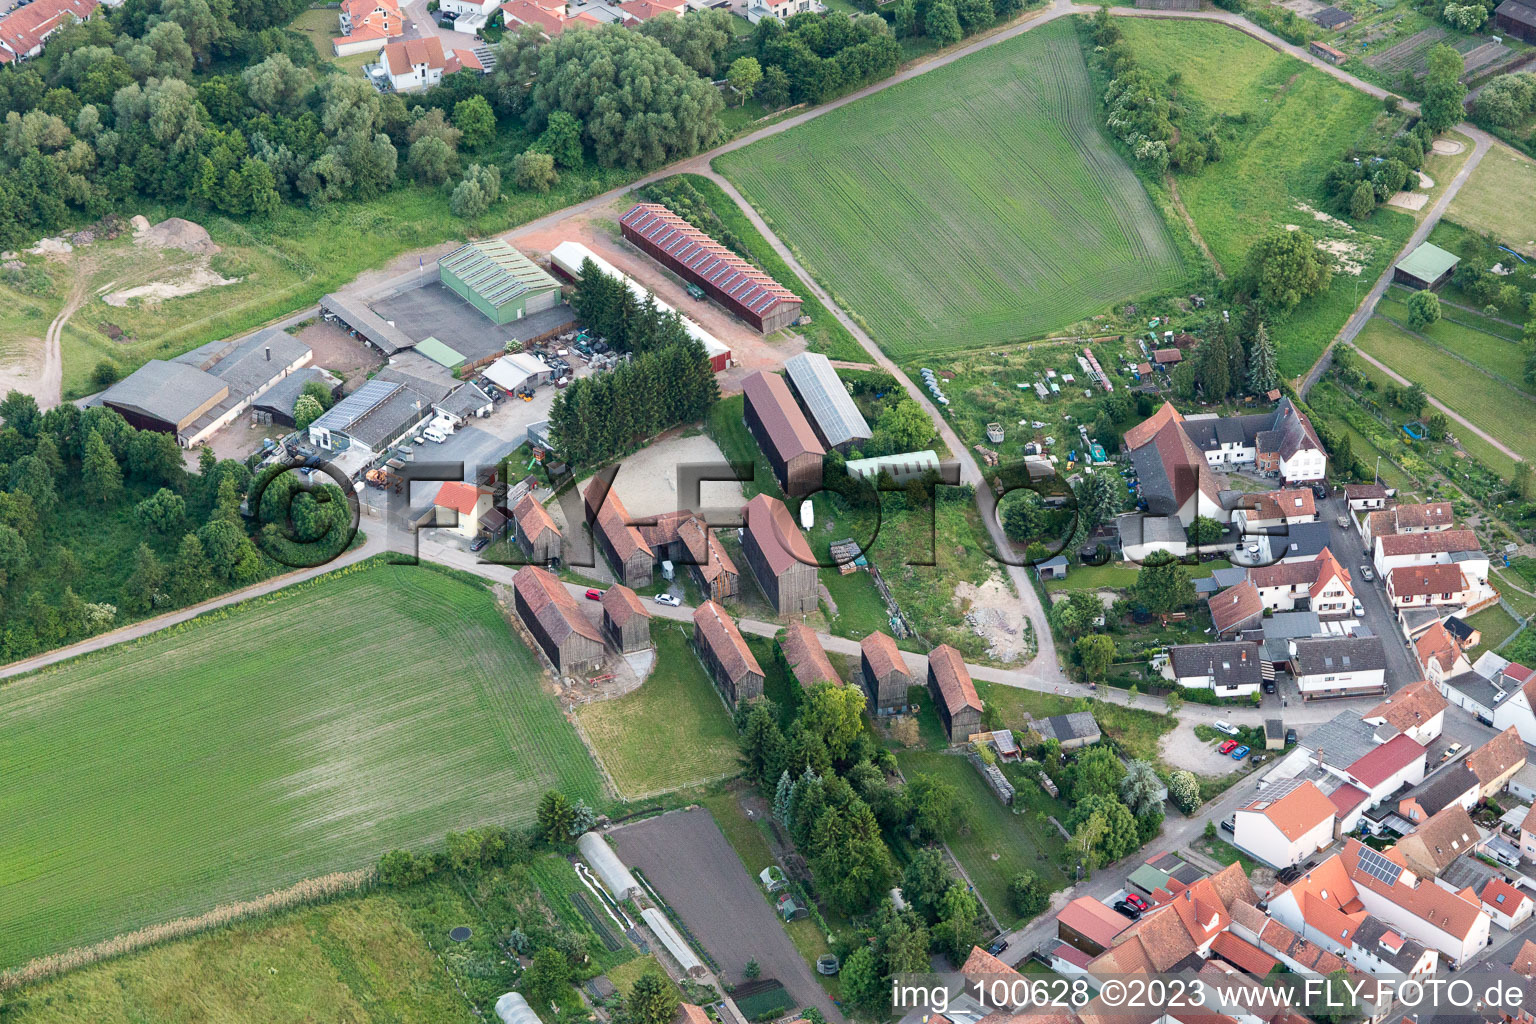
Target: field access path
(1450, 413)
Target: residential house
(949, 682)
(1410, 586)
(1427, 518)
(782, 10)
(461, 507)
(1528, 836)
(550, 18)
(806, 658)
(1519, 684)
(779, 557)
(1176, 479)
(1439, 654)
(1339, 666)
(1233, 669)
(627, 553)
(537, 535)
(725, 654)
(1330, 901)
(1236, 609)
(1286, 823)
(638, 11)
(1274, 510)
(1431, 847)
(413, 65)
(1377, 949)
(1357, 755)
(559, 625)
(24, 30)
(1452, 785)
(1319, 584)
(885, 673)
(367, 23)
(1495, 761)
(1509, 907)
(1417, 710)
(1366, 497)
(1443, 547)
(626, 619)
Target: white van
(434, 435)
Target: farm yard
(978, 206)
(671, 732)
(1283, 124)
(232, 756)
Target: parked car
(594, 595)
(669, 600)
(1290, 736)
(479, 543)
(1226, 727)
(1450, 752)
(1128, 910)
(434, 435)
(1269, 686)
(1342, 522)
(998, 945)
(1229, 824)
(1367, 573)
(1239, 753)
(1359, 609)
(1227, 747)
(1136, 901)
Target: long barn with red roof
(728, 279)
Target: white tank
(807, 515)
(609, 868)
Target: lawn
(995, 843)
(1481, 398)
(981, 204)
(1498, 357)
(1520, 598)
(266, 744)
(1496, 625)
(672, 732)
(1283, 125)
(1136, 731)
(1483, 204)
(728, 429)
(321, 25)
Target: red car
(1137, 902)
(597, 595)
(1225, 748)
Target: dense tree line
(1507, 100)
(100, 522)
(666, 381)
(812, 57)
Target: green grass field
(1295, 122)
(1466, 339)
(672, 732)
(1496, 625)
(1483, 399)
(1483, 204)
(267, 744)
(979, 205)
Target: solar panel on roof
(1378, 867)
(357, 405)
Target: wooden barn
(886, 679)
(559, 625)
(725, 654)
(625, 619)
(537, 535)
(783, 433)
(807, 660)
(1516, 18)
(949, 682)
(779, 557)
(627, 552)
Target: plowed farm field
(297, 734)
(978, 204)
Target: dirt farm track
(694, 868)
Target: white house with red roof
(1417, 710)
(414, 64)
(1320, 584)
(1519, 710)
(367, 23)
(548, 17)
(25, 29)
(459, 507)
(637, 11)
(1286, 823)
(1508, 906)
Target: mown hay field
(672, 732)
(1482, 398)
(296, 734)
(1484, 202)
(976, 205)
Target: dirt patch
(1447, 147)
(1408, 200)
(176, 233)
(1425, 181)
(1325, 218)
(53, 247)
(647, 480)
(199, 279)
(1348, 257)
(339, 352)
(995, 615)
(598, 230)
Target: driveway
(693, 867)
(419, 24)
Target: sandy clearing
(996, 615)
(199, 279)
(647, 480)
(1408, 200)
(1447, 147)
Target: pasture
(1484, 205)
(672, 732)
(1283, 124)
(1473, 392)
(979, 205)
(278, 740)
